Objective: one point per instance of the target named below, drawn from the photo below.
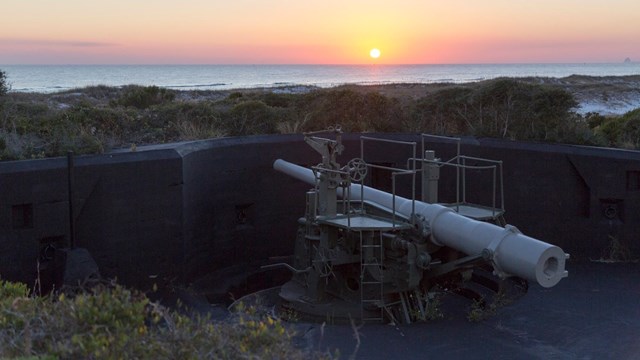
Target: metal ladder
(371, 290)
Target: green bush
(447, 111)
(190, 120)
(278, 100)
(631, 137)
(505, 108)
(4, 86)
(250, 117)
(621, 131)
(523, 111)
(85, 129)
(111, 322)
(99, 118)
(354, 111)
(142, 97)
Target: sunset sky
(318, 32)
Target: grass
(433, 309)
(481, 309)
(109, 321)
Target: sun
(374, 53)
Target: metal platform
(363, 222)
(476, 212)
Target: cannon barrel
(512, 252)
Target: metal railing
(460, 163)
(395, 171)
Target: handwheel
(357, 169)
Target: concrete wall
(128, 212)
(175, 213)
(578, 197)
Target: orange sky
(317, 32)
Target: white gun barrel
(513, 253)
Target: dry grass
(191, 131)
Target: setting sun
(298, 32)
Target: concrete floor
(593, 314)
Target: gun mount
(375, 255)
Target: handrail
(395, 171)
(461, 181)
(459, 162)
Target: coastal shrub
(191, 120)
(447, 111)
(62, 137)
(99, 118)
(4, 86)
(235, 95)
(354, 111)
(550, 117)
(505, 108)
(100, 92)
(611, 130)
(250, 117)
(594, 119)
(20, 147)
(110, 321)
(278, 99)
(24, 117)
(82, 129)
(621, 131)
(20, 123)
(142, 97)
(34, 129)
(631, 138)
(529, 111)
(5, 152)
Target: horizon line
(320, 64)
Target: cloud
(54, 43)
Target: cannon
(378, 256)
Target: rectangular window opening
(633, 180)
(22, 216)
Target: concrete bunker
(209, 214)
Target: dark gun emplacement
(375, 255)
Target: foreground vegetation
(99, 118)
(110, 322)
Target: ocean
(53, 78)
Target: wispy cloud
(54, 43)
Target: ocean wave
(444, 80)
(43, 89)
(197, 86)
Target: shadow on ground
(593, 314)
